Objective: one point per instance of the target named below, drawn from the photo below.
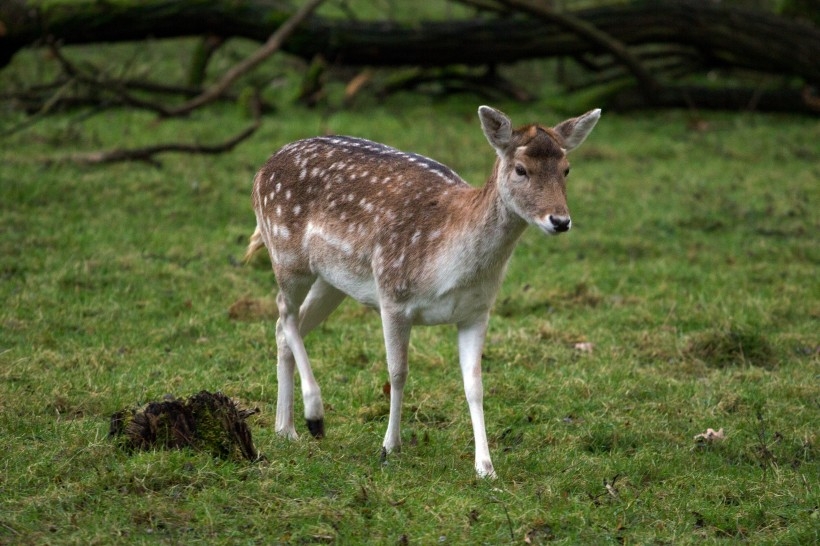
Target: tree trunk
(25, 22)
(719, 35)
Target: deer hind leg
(285, 365)
(294, 323)
(396, 340)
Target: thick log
(703, 98)
(26, 22)
(720, 35)
(725, 35)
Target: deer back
(331, 204)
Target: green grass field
(692, 271)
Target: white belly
(445, 301)
(464, 304)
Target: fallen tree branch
(273, 45)
(109, 85)
(715, 35)
(485, 82)
(723, 33)
(197, 97)
(733, 98)
(541, 10)
(61, 93)
(47, 106)
(148, 153)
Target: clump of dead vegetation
(210, 422)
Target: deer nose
(560, 223)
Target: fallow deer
(406, 236)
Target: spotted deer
(406, 236)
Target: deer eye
(520, 170)
(566, 172)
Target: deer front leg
(285, 365)
(470, 344)
(396, 340)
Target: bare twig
(271, 46)
(42, 112)
(148, 153)
(121, 89)
(42, 99)
(647, 84)
(494, 500)
(110, 85)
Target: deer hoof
(484, 470)
(316, 427)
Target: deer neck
(488, 230)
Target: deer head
(532, 167)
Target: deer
(408, 237)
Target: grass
(691, 271)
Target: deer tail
(255, 244)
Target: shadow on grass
(727, 347)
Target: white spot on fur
(330, 239)
(365, 205)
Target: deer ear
(497, 128)
(575, 130)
